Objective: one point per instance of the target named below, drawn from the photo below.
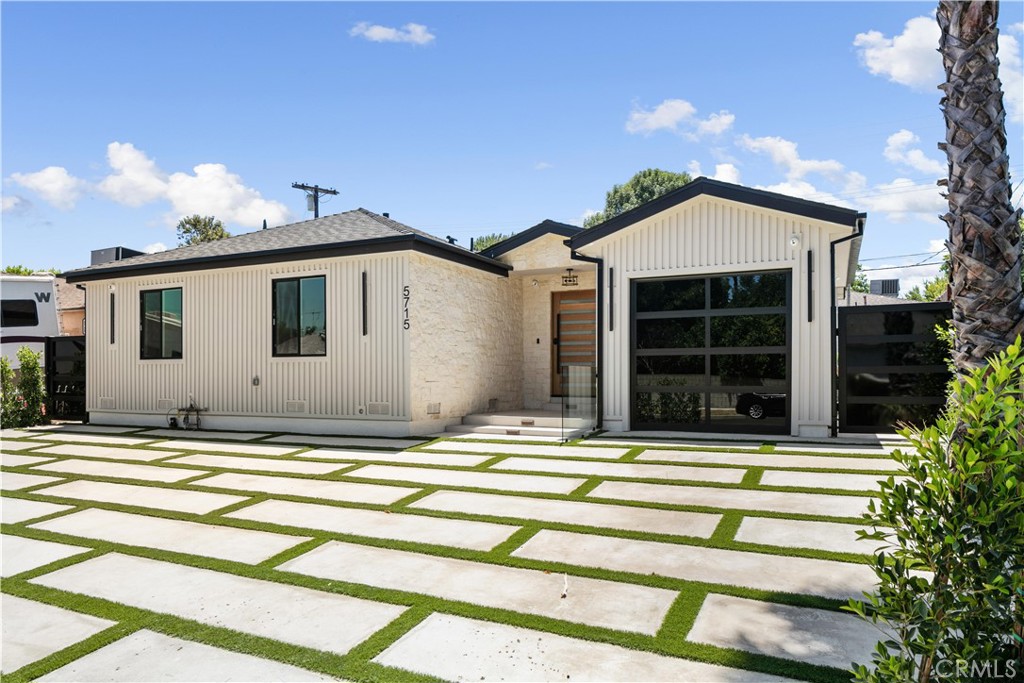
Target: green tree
(31, 387)
(23, 270)
(860, 283)
(646, 185)
(196, 229)
(487, 241)
(10, 406)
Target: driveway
(135, 554)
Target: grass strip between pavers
(670, 639)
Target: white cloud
(416, 34)
(693, 168)
(666, 116)
(1016, 28)
(899, 150)
(903, 200)
(727, 173)
(215, 191)
(136, 179)
(784, 154)
(542, 166)
(678, 116)
(912, 59)
(154, 248)
(12, 203)
(54, 184)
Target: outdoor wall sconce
(569, 279)
(794, 240)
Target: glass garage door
(712, 353)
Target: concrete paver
(226, 543)
(346, 491)
(526, 483)
(106, 452)
(150, 656)
(15, 481)
(827, 578)
(379, 524)
(33, 630)
(202, 434)
(810, 635)
(740, 499)
(529, 449)
(623, 469)
(607, 604)
(259, 464)
(8, 445)
(98, 468)
(346, 441)
(300, 616)
(410, 457)
(15, 510)
(110, 439)
(12, 460)
(824, 480)
(21, 554)
(456, 648)
(84, 428)
(216, 447)
(793, 533)
(631, 443)
(15, 434)
(198, 502)
(698, 524)
(823, 462)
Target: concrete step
(499, 431)
(534, 419)
(555, 404)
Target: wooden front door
(573, 333)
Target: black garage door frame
(705, 390)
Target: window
(161, 323)
(300, 316)
(18, 313)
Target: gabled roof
(716, 188)
(349, 233)
(546, 227)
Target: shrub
(32, 388)
(951, 569)
(10, 402)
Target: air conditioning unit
(886, 287)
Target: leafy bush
(952, 568)
(31, 389)
(10, 403)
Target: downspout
(600, 329)
(858, 231)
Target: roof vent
(886, 287)
(386, 214)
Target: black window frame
(142, 323)
(6, 322)
(298, 307)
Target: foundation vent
(433, 409)
(378, 408)
(294, 406)
(165, 404)
(106, 402)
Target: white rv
(28, 314)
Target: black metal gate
(892, 366)
(65, 378)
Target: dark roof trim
(547, 227)
(716, 188)
(317, 251)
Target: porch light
(569, 279)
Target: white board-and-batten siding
(706, 236)
(227, 342)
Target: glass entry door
(712, 353)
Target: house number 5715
(405, 307)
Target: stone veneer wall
(537, 326)
(465, 342)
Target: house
(70, 307)
(707, 309)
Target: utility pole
(314, 191)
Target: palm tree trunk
(984, 239)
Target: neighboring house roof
(69, 297)
(716, 188)
(353, 232)
(867, 299)
(546, 227)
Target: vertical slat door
(574, 334)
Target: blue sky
(464, 118)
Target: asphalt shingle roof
(338, 230)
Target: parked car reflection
(760, 406)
